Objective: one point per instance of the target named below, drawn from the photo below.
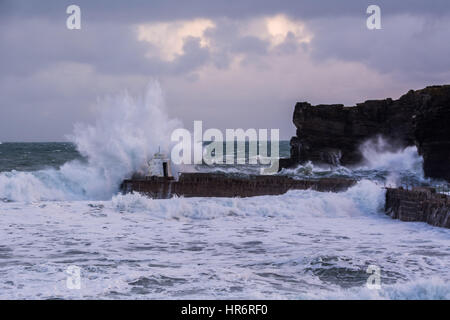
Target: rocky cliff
(333, 133)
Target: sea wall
(333, 134)
(418, 204)
(220, 185)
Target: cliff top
(434, 90)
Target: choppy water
(60, 208)
(300, 245)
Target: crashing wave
(126, 134)
(365, 197)
(422, 289)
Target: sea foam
(365, 198)
(124, 136)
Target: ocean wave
(421, 289)
(305, 244)
(130, 130)
(366, 197)
(381, 162)
(126, 134)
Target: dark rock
(432, 131)
(333, 134)
(419, 204)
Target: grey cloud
(408, 46)
(51, 76)
(251, 45)
(111, 48)
(227, 41)
(144, 10)
(193, 56)
(291, 45)
(35, 44)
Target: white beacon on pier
(159, 166)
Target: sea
(66, 232)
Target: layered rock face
(333, 134)
(419, 204)
(432, 131)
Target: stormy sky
(232, 64)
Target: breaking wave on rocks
(65, 210)
(300, 245)
(365, 198)
(124, 136)
(430, 289)
(382, 163)
(128, 131)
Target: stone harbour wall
(220, 185)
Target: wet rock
(419, 204)
(333, 134)
(432, 130)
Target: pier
(222, 185)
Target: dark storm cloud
(226, 36)
(33, 45)
(145, 10)
(193, 56)
(50, 76)
(410, 46)
(227, 39)
(291, 45)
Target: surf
(128, 130)
(125, 134)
